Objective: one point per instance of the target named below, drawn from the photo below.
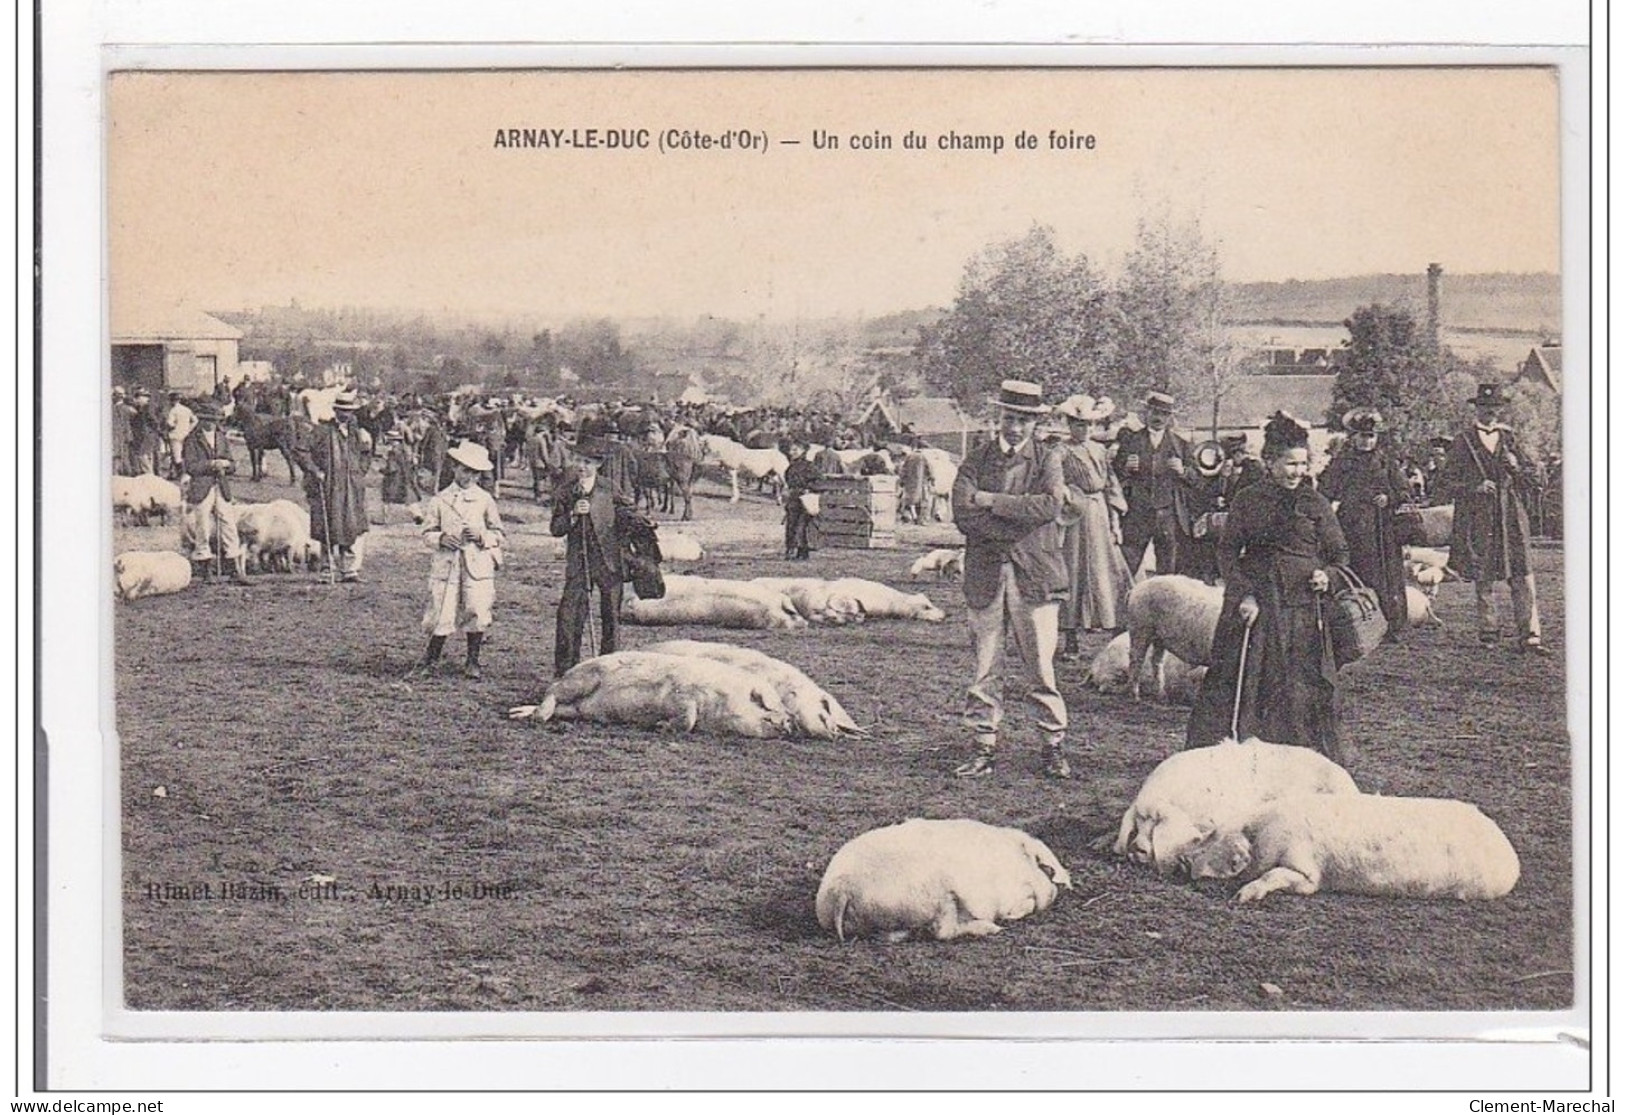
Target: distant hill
(1529, 303)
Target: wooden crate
(858, 512)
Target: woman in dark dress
(1367, 487)
(1279, 541)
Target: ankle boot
(471, 668)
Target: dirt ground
(372, 846)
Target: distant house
(936, 420)
(1544, 366)
(1251, 401)
(173, 349)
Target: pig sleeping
(813, 712)
(1362, 844)
(815, 599)
(1109, 673)
(139, 573)
(663, 691)
(880, 601)
(943, 878)
(1192, 793)
(715, 603)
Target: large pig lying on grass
(663, 691)
(943, 878)
(1193, 793)
(813, 712)
(138, 573)
(815, 598)
(1170, 613)
(715, 603)
(880, 601)
(1362, 844)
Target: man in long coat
(335, 460)
(1155, 467)
(1006, 499)
(1485, 475)
(209, 518)
(584, 515)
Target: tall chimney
(1435, 277)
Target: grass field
(267, 745)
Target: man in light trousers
(1006, 499)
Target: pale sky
(228, 191)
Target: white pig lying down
(880, 601)
(138, 573)
(675, 546)
(716, 603)
(1171, 613)
(1109, 673)
(813, 712)
(815, 599)
(945, 879)
(663, 691)
(1193, 793)
(1362, 844)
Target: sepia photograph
(959, 541)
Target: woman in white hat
(1097, 574)
(464, 527)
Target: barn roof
(1545, 364)
(137, 324)
(1254, 398)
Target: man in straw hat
(1156, 469)
(463, 525)
(1485, 474)
(335, 459)
(1006, 500)
(584, 515)
(210, 519)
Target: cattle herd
(1282, 818)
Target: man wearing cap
(123, 435)
(335, 462)
(146, 434)
(464, 528)
(1006, 500)
(584, 515)
(209, 516)
(1156, 469)
(1484, 475)
(1438, 450)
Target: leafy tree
(1024, 310)
(1392, 366)
(1169, 325)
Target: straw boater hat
(346, 400)
(1085, 408)
(1159, 400)
(471, 454)
(1021, 396)
(1209, 458)
(1364, 420)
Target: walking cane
(1241, 678)
(591, 637)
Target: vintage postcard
(635, 546)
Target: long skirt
(1097, 575)
(1288, 690)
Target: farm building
(1543, 365)
(937, 421)
(176, 349)
(1254, 398)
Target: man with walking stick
(209, 528)
(584, 515)
(335, 464)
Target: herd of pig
(1285, 818)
